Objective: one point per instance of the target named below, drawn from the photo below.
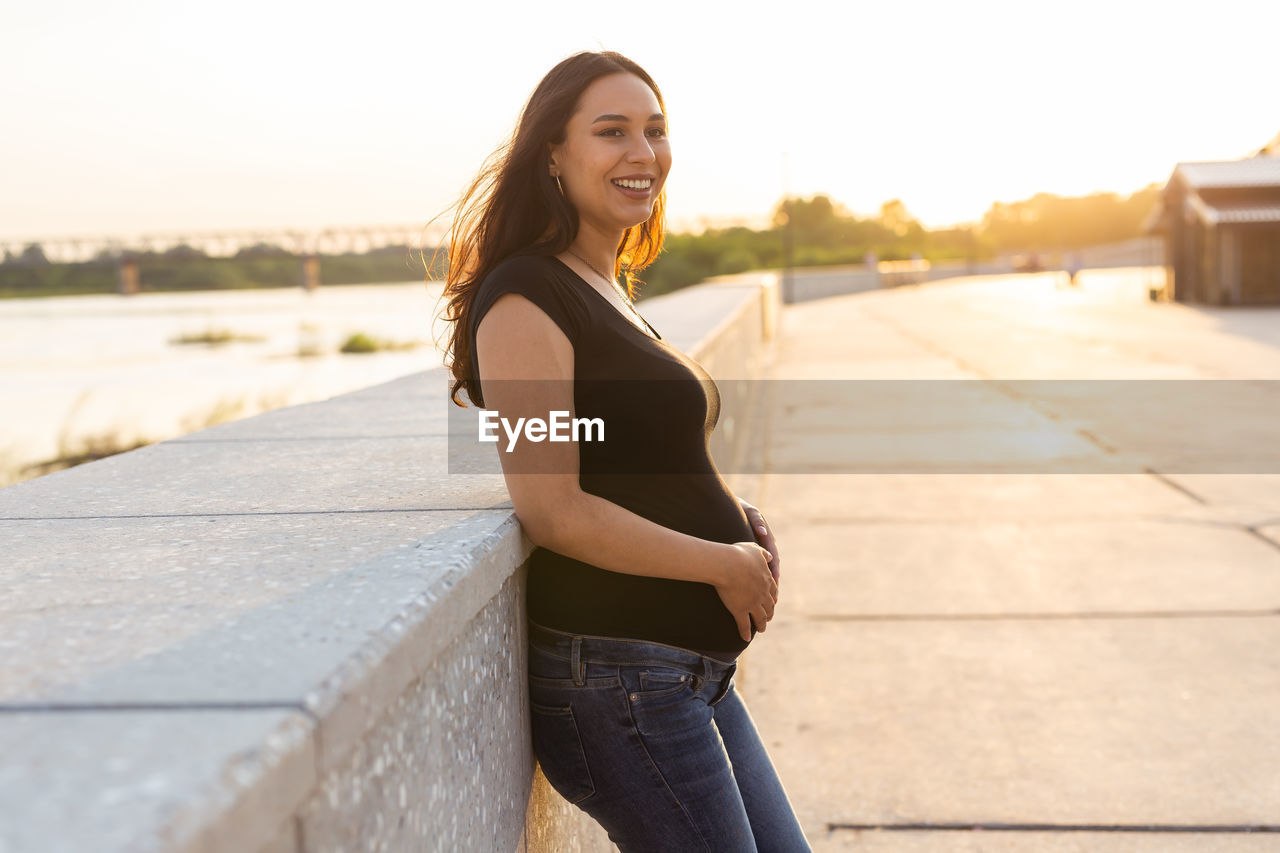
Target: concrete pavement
(1076, 662)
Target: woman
(646, 582)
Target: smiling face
(617, 136)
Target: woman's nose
(642, 152)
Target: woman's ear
(552, 151)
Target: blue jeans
(654, 743)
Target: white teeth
(634, 184)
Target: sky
(157, 117)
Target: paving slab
(1013, 326)
(931, 497)
(1116, 721)
(1024, 426)
(816, 344)
(1259, 493)
(1017, 569)
(1044, 842)
(1270, 533)
(1038, 448)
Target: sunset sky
(160, 116)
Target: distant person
(1074, 264)
(644, 588)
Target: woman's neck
(597, 249)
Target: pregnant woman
(649, 577)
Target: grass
(362, 343)
(215, 337)
(91, 448)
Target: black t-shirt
(659, 408)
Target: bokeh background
(207, 211)
(160, 115)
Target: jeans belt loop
(575, 662)
(706, 669)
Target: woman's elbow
(549, 519)
(541, 527)
(545, 508)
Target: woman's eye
(660, 131)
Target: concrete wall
(293, 632)
(807, 283)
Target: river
(79, 371)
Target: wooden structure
(1221, 225)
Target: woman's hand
(749, 591)
(764, 536)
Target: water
(75, 370)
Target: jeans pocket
(658, 682)
(558, 747)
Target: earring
(560, 185)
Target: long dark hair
(514, 206)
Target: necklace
(615, 284)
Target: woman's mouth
(634, 187)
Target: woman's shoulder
(524, 267)
(541, 280)
(541, 275)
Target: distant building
(1221, 226)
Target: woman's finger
(765, 537)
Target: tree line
(820, 232)
(824, 232)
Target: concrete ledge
(292, 632)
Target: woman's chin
(637, 218)
(620, 220)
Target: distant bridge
(303, 242)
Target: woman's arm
(597, 531)
(526, 370)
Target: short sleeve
(532, 277)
